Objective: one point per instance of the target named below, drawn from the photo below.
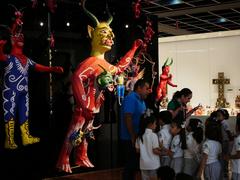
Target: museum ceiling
(181, 17)
(175, 17)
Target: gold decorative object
(164, 103)
(237, 102)
(221, 81)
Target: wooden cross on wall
(221, 81)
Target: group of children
(186, 148)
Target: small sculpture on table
(237, 102)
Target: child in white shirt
(222, 117)
(164, 135)
(147, 145)
(235, 155)
(192, 153)
(211, 152)
(178, 144)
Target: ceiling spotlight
(41, 24)
(174, 2)
(222, 20)
(68, 24)
(126, 26)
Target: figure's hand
(88, 114)
(137, 43)
(57, 69)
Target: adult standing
(132, 109)
(178, 105)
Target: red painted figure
(137, 8)
(165, 79)
(88, 101)
(148, 32)
(15, 92)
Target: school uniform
(165, 137)
(236, 162)
(149, 162)
(177, 159)
(191, 155)
(213, 166)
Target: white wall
(198, 59)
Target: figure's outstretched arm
(55, 69)
(170, 81)
(3, 57)
(125, 61)
(171, 84)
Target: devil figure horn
(109, 14)
(89, 14)
(165, 63)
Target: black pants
(130, 160)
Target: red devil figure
(165, 79)
(15, 90)
(88, 99)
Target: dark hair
(183, 176)
(197, 130)
(145, 120)
(176, 95)
(213, 131)
(238, 121)
(181, 134)
(224, 112)
(140, 83)
(166, 173)
(212, 117)
(165, 116)
(185, 92)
